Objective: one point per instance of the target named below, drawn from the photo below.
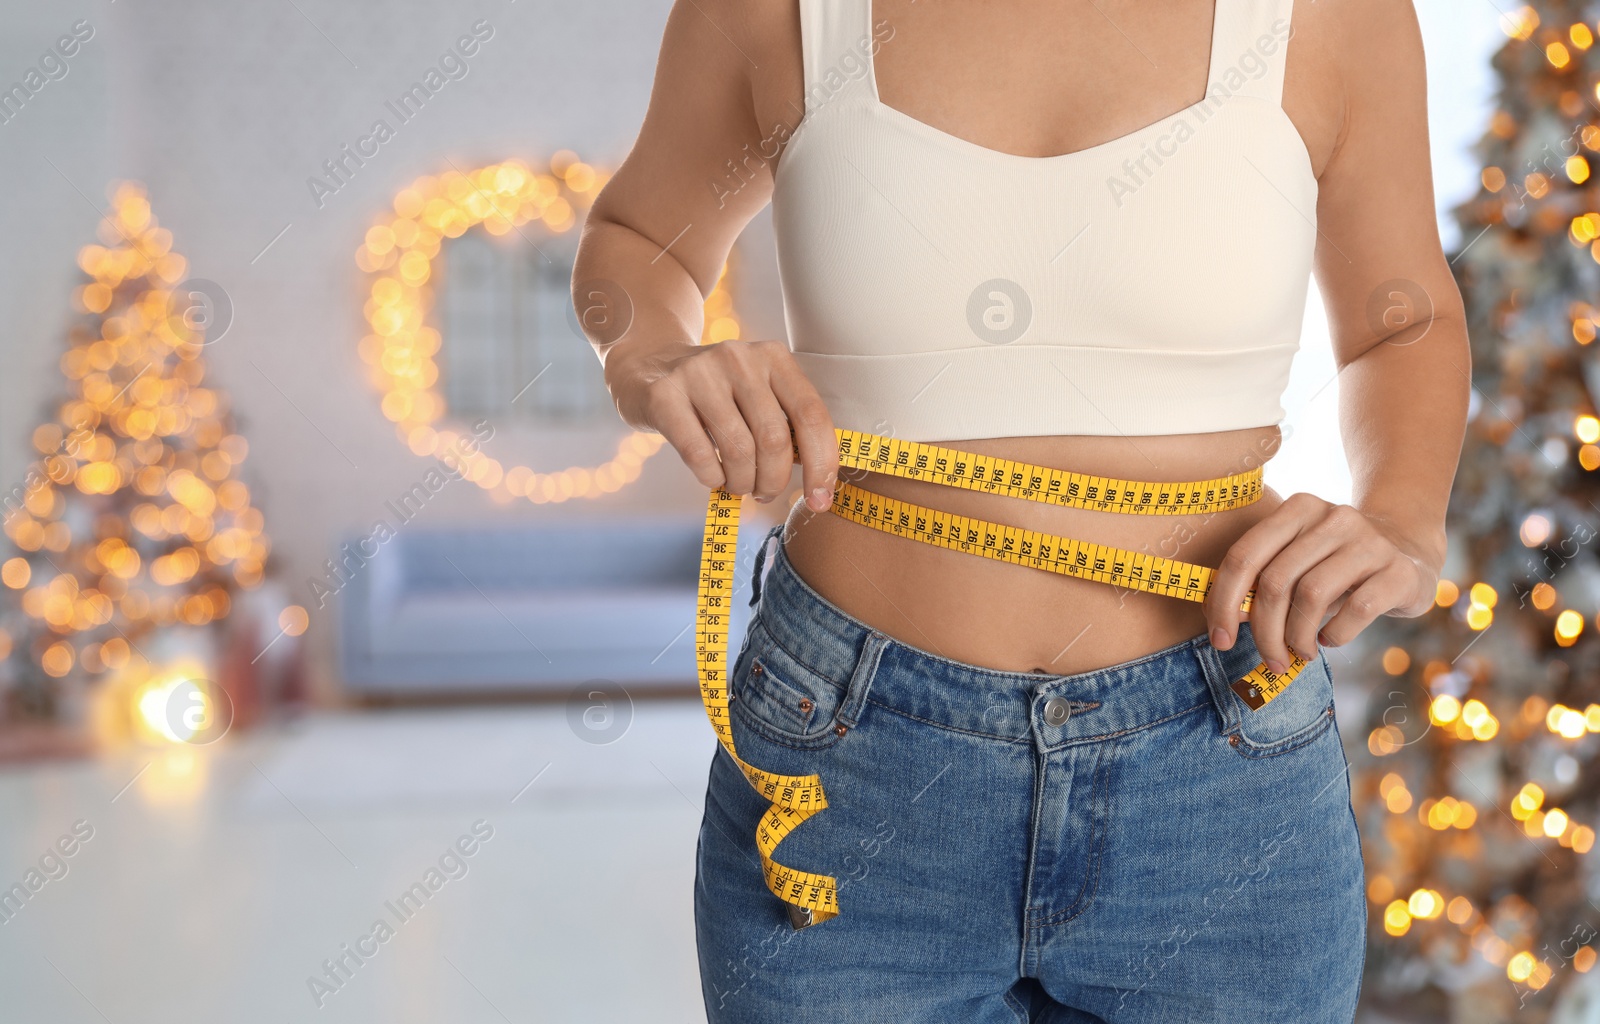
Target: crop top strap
(837, 42)
(1251, 44)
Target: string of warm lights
(399, 251)
(160, 532)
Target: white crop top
(935, 289)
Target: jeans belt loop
(1217, 681)
(761, 559)
(855, 697)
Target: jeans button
(1057, 711)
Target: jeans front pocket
(1292, 719)
(778, 696)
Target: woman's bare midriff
(984, 612)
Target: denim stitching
(1016, 1006)
(766, 730)
(1029, 738)
(759, 726)
(799, 719)
(1362, 970)
(1125, 732)
(1091, 885)
(779, 644)
(948, 728)
(1316, 729)
(1033, 677)
(1031, 951)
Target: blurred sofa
(535, 607)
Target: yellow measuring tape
(813, 898)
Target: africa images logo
(1252, 64)
(453, 67)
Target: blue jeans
(1131, 844)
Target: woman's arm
(653, 246)
(1400, 341)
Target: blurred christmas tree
(1479, 801)
(131, 524)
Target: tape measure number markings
(1062, 555)
(793, 798)
(813, 898)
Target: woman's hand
(727, 409)
(1303, 557)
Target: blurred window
(511, 347)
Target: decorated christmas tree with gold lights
(131, 526)
(1479, 801)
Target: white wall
(60, 134)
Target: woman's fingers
(737, 410)
(1321, 587)
(1389, 588)
(1284, 622)
(1272, 606)
(735, 446)
(1309, 557)
(1245, 561)
(673, 414)
(1331, 555)
(769, 429)
(813, 434)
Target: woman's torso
(1036, 79)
